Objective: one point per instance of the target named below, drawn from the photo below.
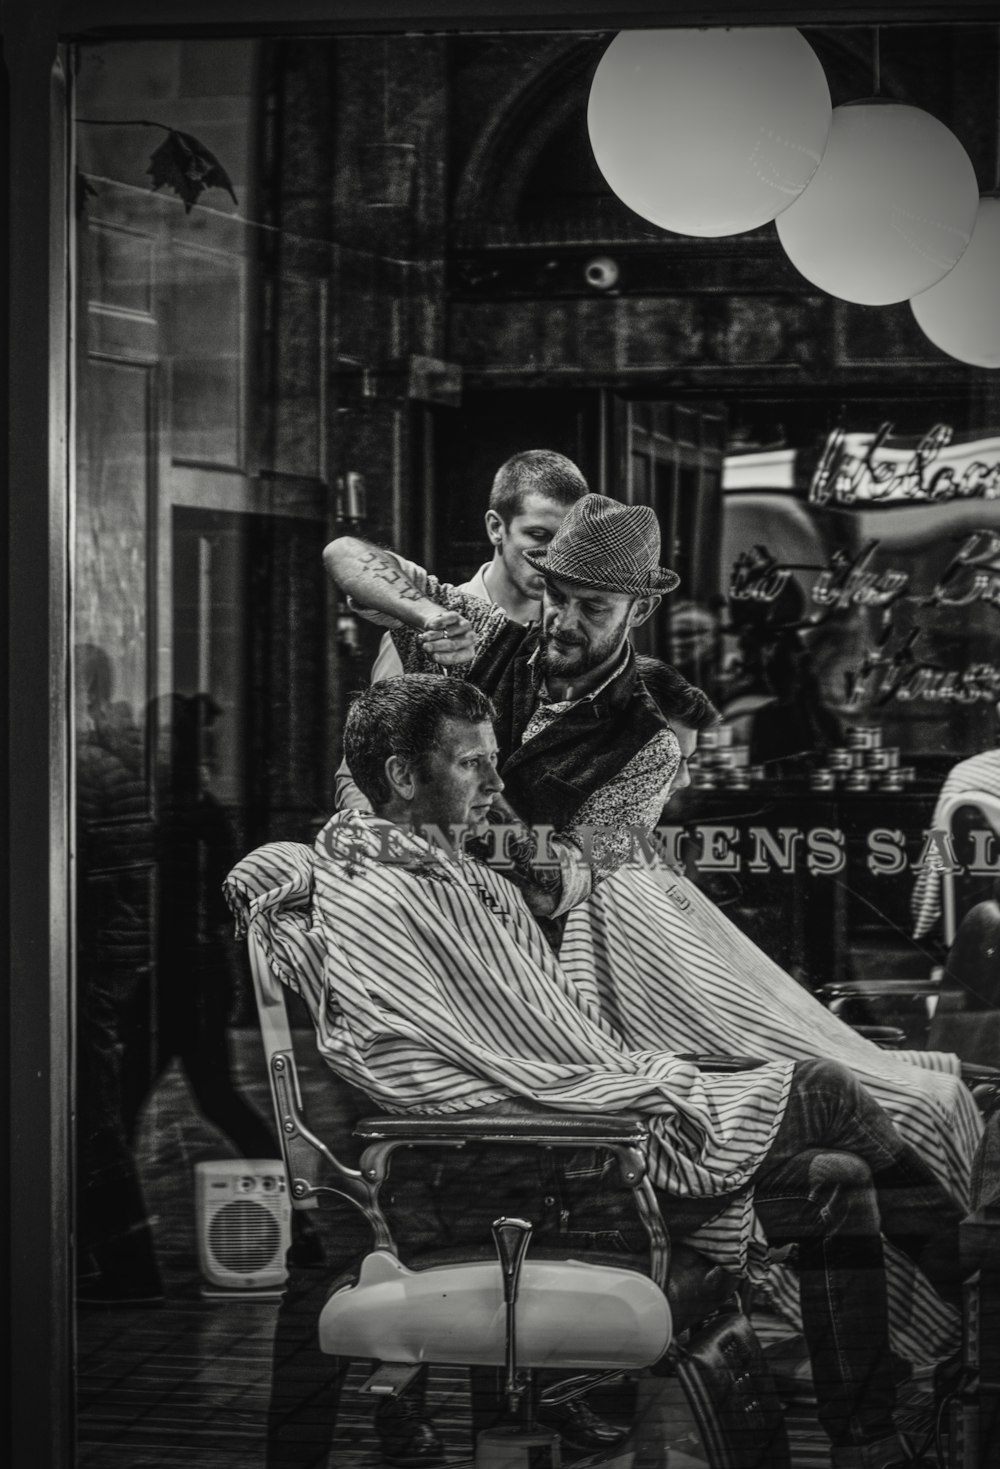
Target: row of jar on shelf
(862, 764)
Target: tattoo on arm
(383, 568)
(539, 881)
(541, 886)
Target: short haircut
(538, 471)
(674, 696)
(403, 717)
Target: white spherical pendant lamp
(709, 132)
(961, 314)
(890, 209)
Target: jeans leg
(829, 1108)
(824, 1203)
(836, 1178)
(305, 1383)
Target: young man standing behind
(531, 494)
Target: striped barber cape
(659, 959)
(432, 989)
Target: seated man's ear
(399, 774)
(642, 608)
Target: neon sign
(847, 582)
(864, 470)
(972, 575)
(887, 673)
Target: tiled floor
(187, 1383)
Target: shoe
(579, 1427)
(406, 1437)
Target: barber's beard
(577, 659)
(565, 663)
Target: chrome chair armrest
(716, 1062)
(976, 1075)
(544, 1128)
(622, 1135)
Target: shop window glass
(363, 280)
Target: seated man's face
(457, 782)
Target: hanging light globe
(889, 211)
(709, 132)
(961, 314)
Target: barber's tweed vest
(548, 779)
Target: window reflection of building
(899, 592)
(115, 980)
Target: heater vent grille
(244, 1236)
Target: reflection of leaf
(84, 191)
(185, 165)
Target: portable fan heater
(244, 1225)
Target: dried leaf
(184, 164)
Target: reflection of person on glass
(693, 641)
(191, 847)
(117, 1261)
(195, 848)
(777, 666)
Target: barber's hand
(449, 639)
(502, 813)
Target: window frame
(36, 37)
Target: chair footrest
(391, 1379)
(878, 989)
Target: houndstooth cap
(609, 546)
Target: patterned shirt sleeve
(600, 839)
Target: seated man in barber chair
(440, 993)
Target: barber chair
(516, 1306)
(947, 811)
(959, 1005)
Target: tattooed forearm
(376, 583)
(521, 853)
(382, 568)
(541, 886)
(375, 580)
